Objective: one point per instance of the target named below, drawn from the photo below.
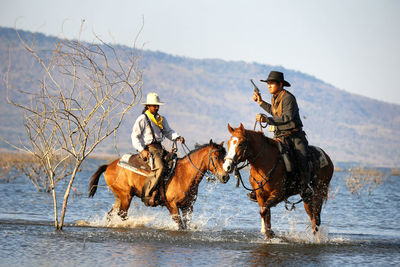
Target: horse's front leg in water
(266, 222)
(187, 213)
(174, 211)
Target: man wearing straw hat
(286, 124)
(148, 132)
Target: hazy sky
(351, 44)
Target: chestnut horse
(179, 192)
(267, 175)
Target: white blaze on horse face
(232, 145)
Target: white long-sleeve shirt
(141, 133)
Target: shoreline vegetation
(16, 164)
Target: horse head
(216, 161)
(237, 148)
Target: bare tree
(85, 91)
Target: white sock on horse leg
(262, 226)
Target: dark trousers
(299, 144)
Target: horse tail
(94, 180)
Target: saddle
(316, 161)
(135, 163)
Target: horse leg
(308, 206)
(174, 211)
(115, 208)
(265, 214)
(187, 213)
(317, 215)
(313, 210)
(125, 203)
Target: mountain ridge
(204, 95)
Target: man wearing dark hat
(286, 123)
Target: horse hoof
(315, 231)
(269, 234)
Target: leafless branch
(82, 98)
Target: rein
(266, 177)
(209, 177)
(264, 180)
(261, 126)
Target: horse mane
(198, 147)
(270, 141)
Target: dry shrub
(338, 169)
(395, 172)
(13, 165)
(360, 178)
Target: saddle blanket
(323, 161)
(134, 163)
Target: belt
(154, 145)
(289, 132)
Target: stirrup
(307, 193)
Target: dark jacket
(290, 118)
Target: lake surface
(357, 230)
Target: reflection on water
(225, 230)
(24, 243)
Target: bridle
(236, 160)
(265, 178)
(246, 155)
(210, 176)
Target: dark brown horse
(179, 192)
(268, 177)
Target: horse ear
(222, 144)
(242, 128)
(211, 142)
(230, 129)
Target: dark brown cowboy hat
(276, 76)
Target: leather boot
(306, 190)
(147, 190)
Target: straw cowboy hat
(153, 99)
(276, 76)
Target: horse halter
(240, 157)
(210, 159)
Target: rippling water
(356, 230)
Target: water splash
(115, 221)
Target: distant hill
(204, 95)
